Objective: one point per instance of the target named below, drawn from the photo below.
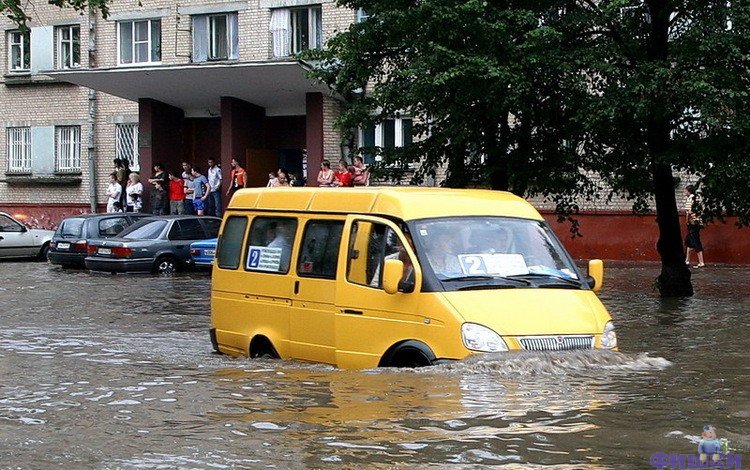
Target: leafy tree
(560, 98)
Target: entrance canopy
(278, 86)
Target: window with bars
(127, 145)
(68, 149)
(68, 47)
(139, 42)
(19, 149)
(19, 51)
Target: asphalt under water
(100, 371)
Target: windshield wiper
(567, 280)
(487, 278)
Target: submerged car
(203, 252)
(19, 241)
(69, 245)
(156, 244)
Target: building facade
(165, 82)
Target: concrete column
(314, 135)
(159, 140)
(241, 130)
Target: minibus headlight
(480, 338)
(609, 337)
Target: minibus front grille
(556, 343)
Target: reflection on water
(117, 371)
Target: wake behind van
(369, 277)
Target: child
(158, 199)
(135, 203)
(116, 207)
(272, 180)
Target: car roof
(104, 214)
(403, 202)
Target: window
(187, 229)
(19, 149)
(296, 29)
(19, 55)
(68, 47)
(127, 145)
(269, 246)
(215, 37)
(320, 249)
(370, 245)
(71, 228)
(139, 42)
(150, 230)
(391, 133)
(230, 245)
(9, 225)
(113, 226)
(212, 227)
(68, 148)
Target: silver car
(159, 244)
(19, 241)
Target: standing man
(237, 178)
(176, 194)
(214, 195)
(187, 178)
(201, 189)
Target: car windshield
(71, 227)
(149, 230)
(486, 248)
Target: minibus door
(369, 320)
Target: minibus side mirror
(595, 278)
(393, 271)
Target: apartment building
(162, 82)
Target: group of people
(172, 192)
(344, 176)
(192, 192)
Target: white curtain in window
(234, 37)
(200, 38)
(279, 28)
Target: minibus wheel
(409, 353)
(261, 348)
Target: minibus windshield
(489, 248)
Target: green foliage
(560, 98)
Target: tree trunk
(674, 280)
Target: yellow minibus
(397, 276)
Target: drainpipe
(91, 121)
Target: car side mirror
(393, 271)
(595, 278)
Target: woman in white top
(113, 192)
(134, 187)
(325, 175)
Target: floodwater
(100, 371)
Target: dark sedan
(69, 245)
(155, 244)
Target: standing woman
(325, 175)
(693, 207)
(361, 175)
(134, 187)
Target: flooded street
(103, 371)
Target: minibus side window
(319, 253)
(230, 245)
(269, 246)
(370, 244)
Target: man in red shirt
(176, 194)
